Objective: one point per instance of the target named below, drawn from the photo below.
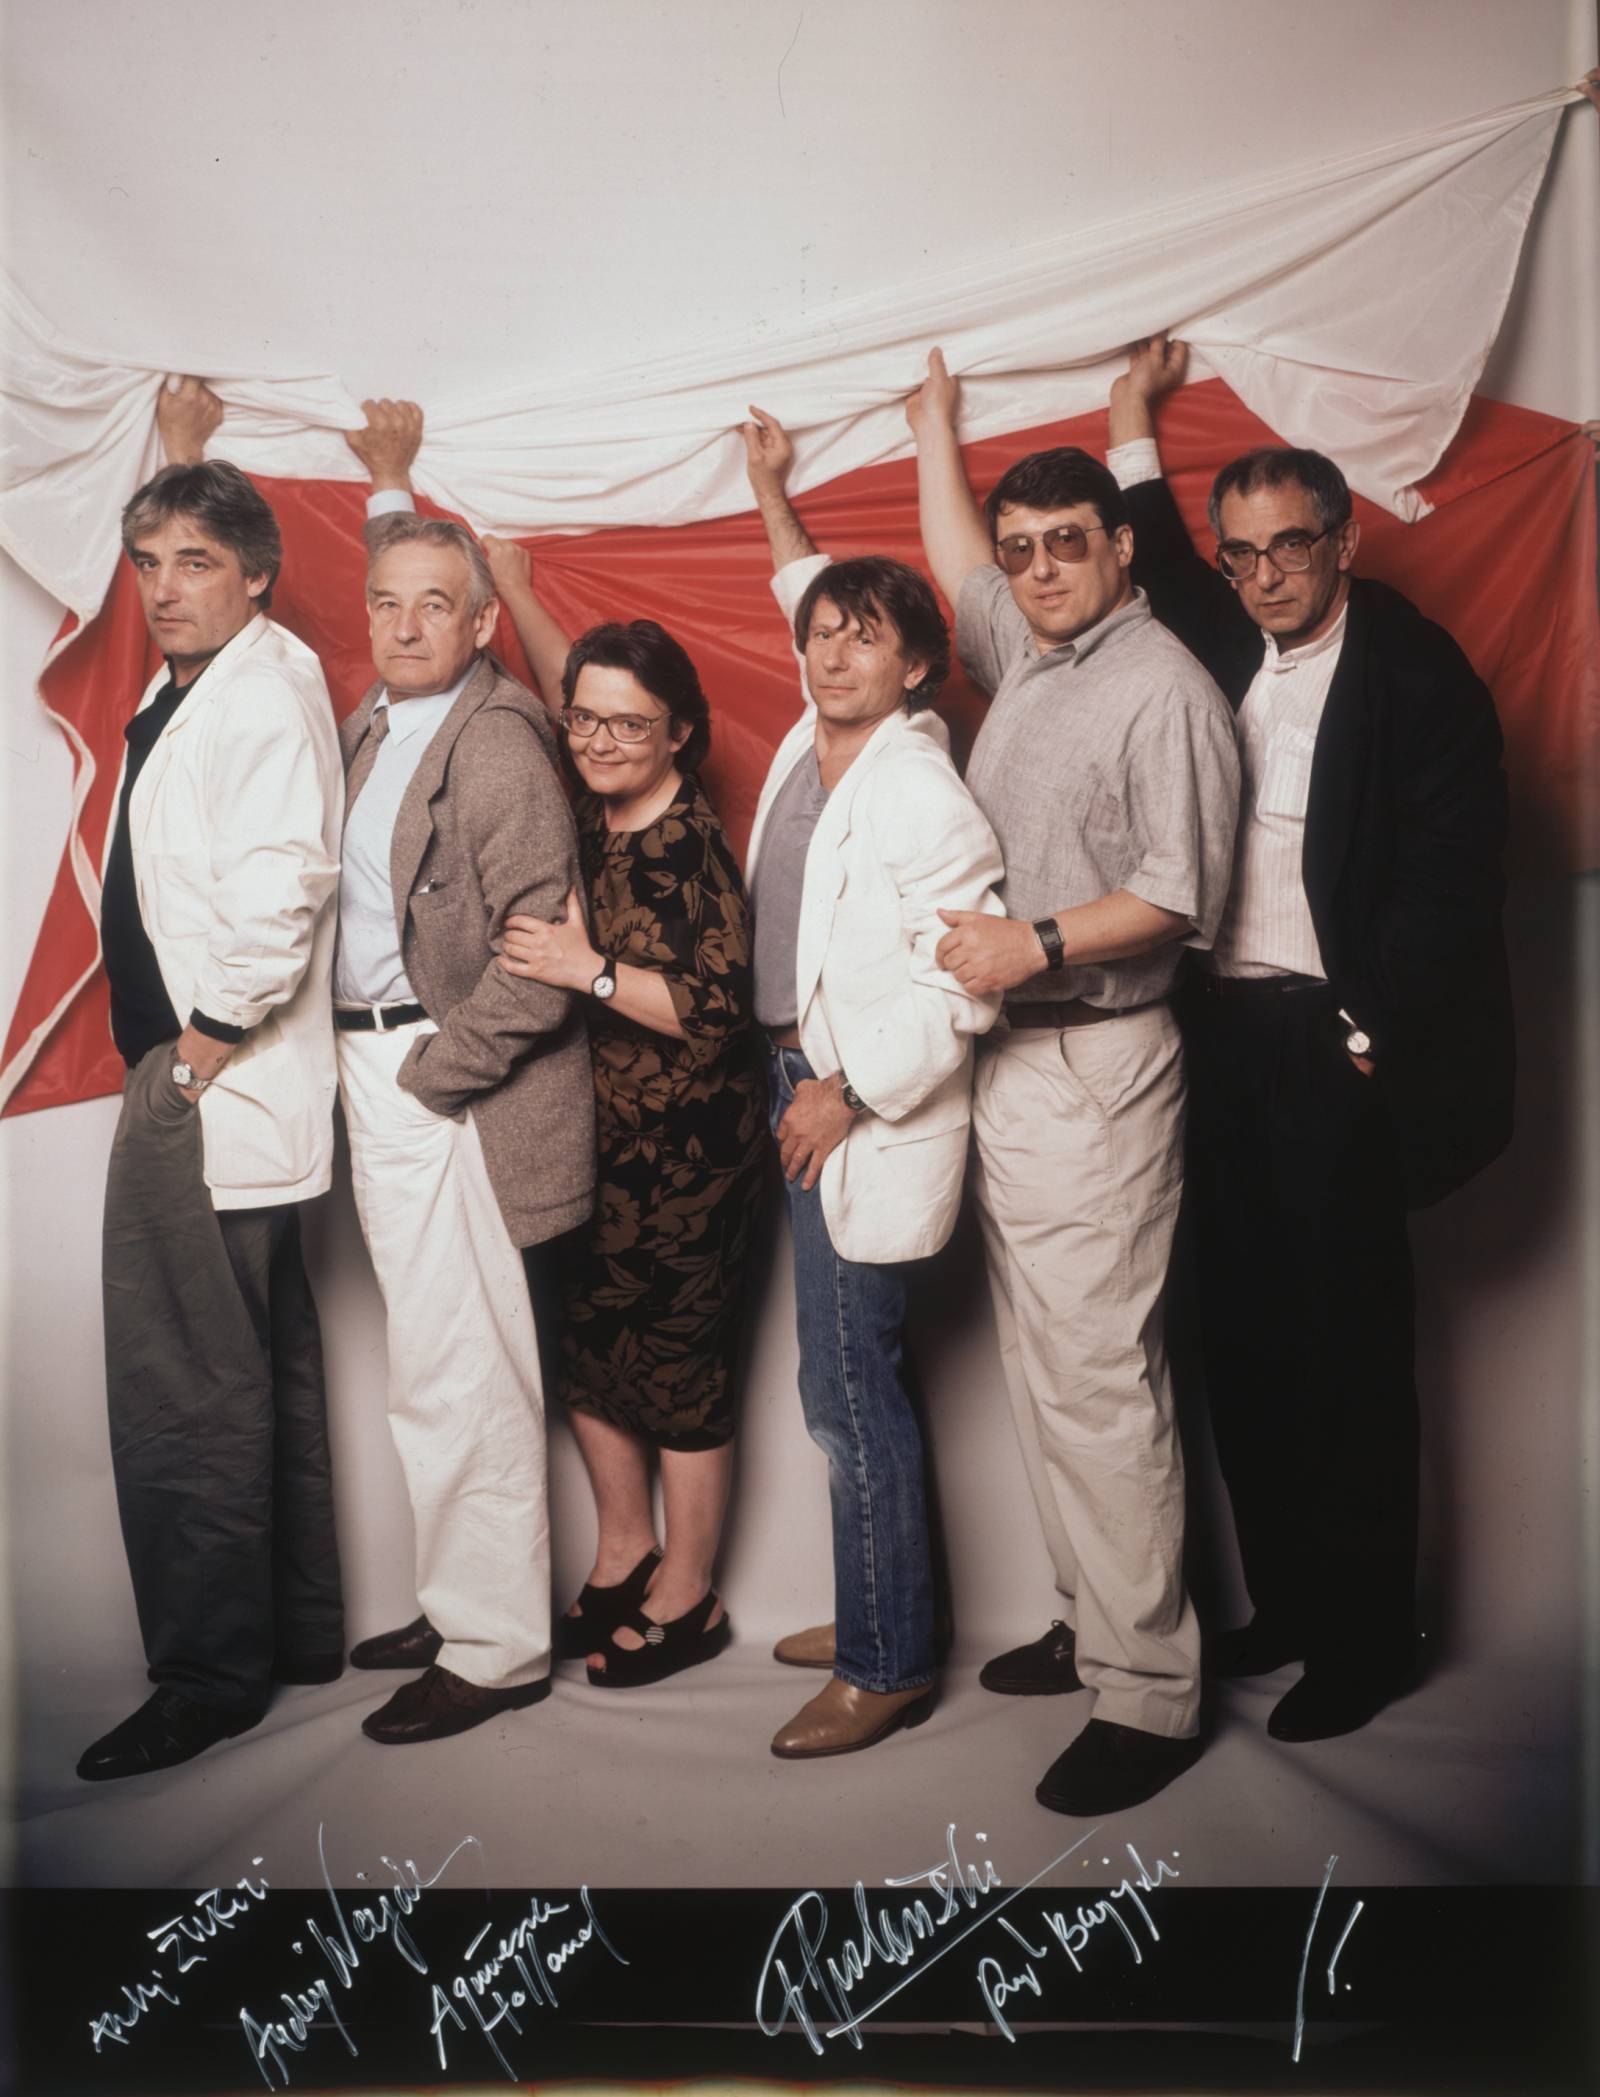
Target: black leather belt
(1259, 986)
(1070, 1012)
(380, 1019)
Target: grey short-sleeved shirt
(779, 878)
(1108, 763)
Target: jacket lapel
(825, 862)
(413, 825)
(193, 703)
(1338, 764)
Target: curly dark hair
(873, 588)
(661, 664)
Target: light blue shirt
(367, 968)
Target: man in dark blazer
(1349, 1041)
(470, 1107)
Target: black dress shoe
(299, 1668)
(1326, 1702)
(1110, 1766)
(439, 1703)
(166, 1730)
(1043, 1669)
(1256, 1648)
(416, 1644)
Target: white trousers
(466, 1403)
(1079, 1170)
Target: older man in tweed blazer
(469, 1104)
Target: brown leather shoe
(842, 1718)
(439, 1703)
(416, 1644)
(813, 1648)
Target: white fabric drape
(1351, 303)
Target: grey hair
(1281, 466)
(222, 501)
(402, 527)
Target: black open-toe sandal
(667, 1648)
(600, 1610)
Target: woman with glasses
(651, 1287)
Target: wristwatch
(1048, 933)
(850, 1096)
(1357, 1042)
(187, 1078)
(605, 984)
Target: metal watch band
(850, 1096)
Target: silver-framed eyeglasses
(1289, 553)
(626, 728)
(1063, 542)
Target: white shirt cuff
(1132, 463)
(791, 582)
(388, 502)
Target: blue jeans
(851, 1318)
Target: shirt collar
(1291, 658)
(410, 716)
(1134, 613)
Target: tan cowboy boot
(813, 1648)
(841, 1719)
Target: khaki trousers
(1079, 1169)
(466, 1402)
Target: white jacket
(234, 825)
(899, 839)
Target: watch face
(604, 985)
(182, 1074)
(1358, 1044)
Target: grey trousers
(219, 1437)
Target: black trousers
(219, 1437)
(1306, 1310)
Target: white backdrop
(427, 200)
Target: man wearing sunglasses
(1349, 1040)
(1108, 769)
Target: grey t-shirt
(775, 897)
(1108, 763)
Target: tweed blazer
(484, 830)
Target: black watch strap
(1048, 933)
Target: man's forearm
(954, 536)
(786, 535)
(1117, 927)
(1130, 418)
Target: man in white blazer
(863, 833)
(218, 945)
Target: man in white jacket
(218, 943)
(864, 832)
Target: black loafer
(1109, 1767)
(164, 1731)
(416, 1644)
(1326, 1702)
(1046, 1668)
(1256, 1648)
(438, 1704)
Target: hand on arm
(187, 413)
(997, 953)
(563, 955)
(815, 1123)
(545, 641)
(388, 443)
(768, 456)
(954, 535)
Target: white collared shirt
(367, 969)
(1266, 927)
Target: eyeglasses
(1063, 542)
(626, 728)
(1289, 553)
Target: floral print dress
(652, 1287)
